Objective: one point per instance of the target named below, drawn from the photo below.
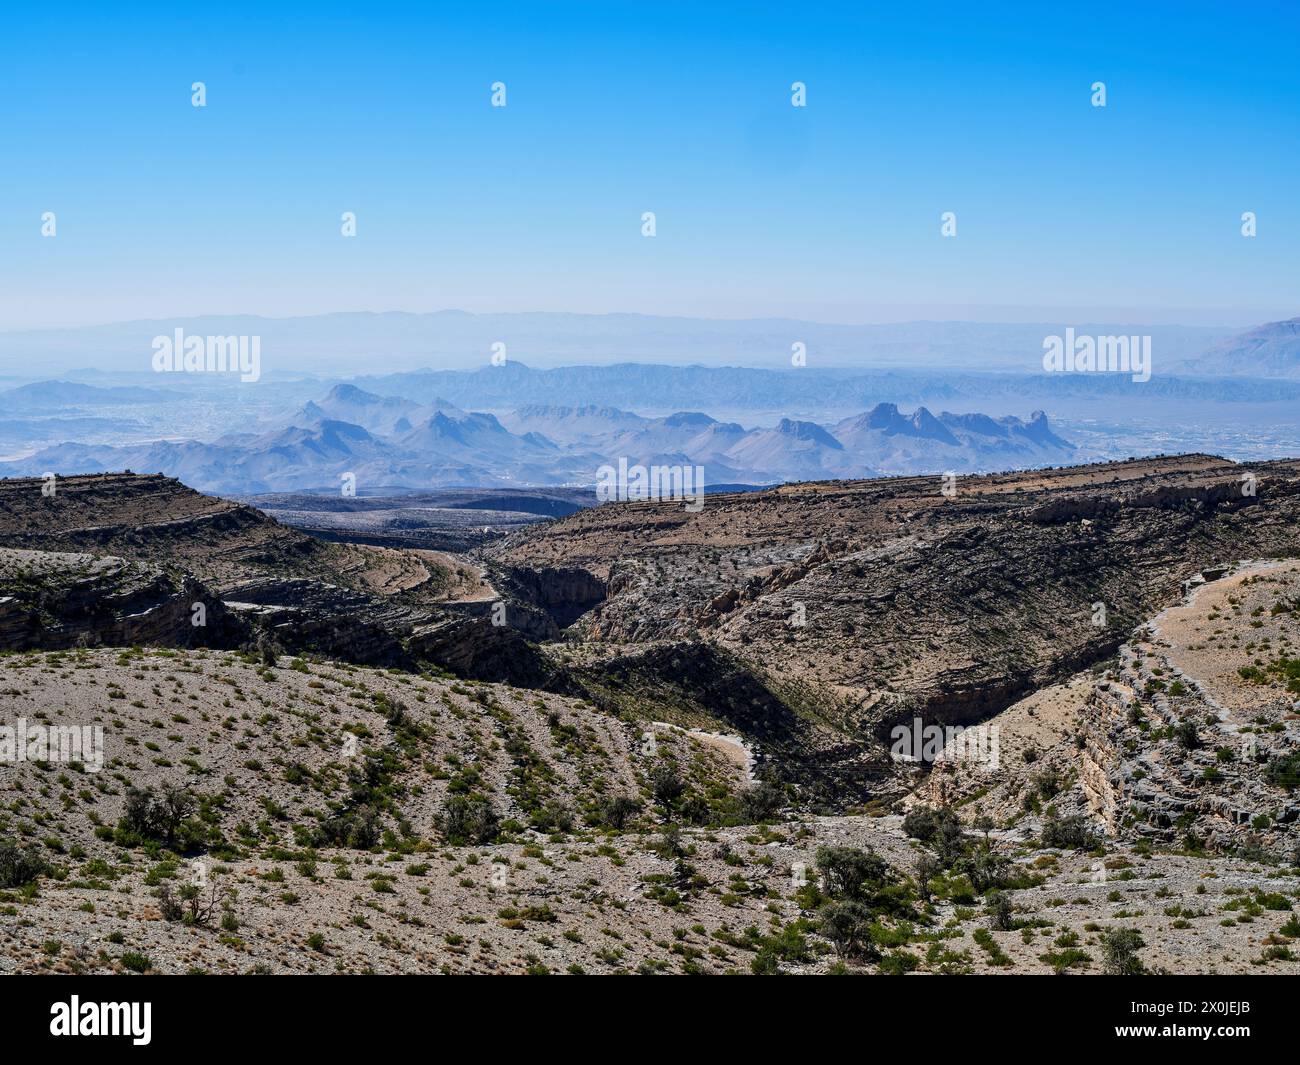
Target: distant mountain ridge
(1269, 350)
(341, 342)
(400, 442)
(51, 395)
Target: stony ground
(270, 747)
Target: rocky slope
(96, 538)
(688, 767)
(313, 834)
(855, 605)
(60, 600)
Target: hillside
(854, 605)
(676, 752)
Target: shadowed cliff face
(158, 520)
(563, 594)
(122, 559)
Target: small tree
(19, 865)
(985, 867)
(1000, 919)
(468, 819)
(762, 802)
(920, 822)
(266, 648)
(848, 926)
(1284, 772)
(615, 813)
(666, 784)
(160, 816)
(192, 905)
(1069, 833)
(670, 843)
(1119, 952)
(851, 872)
(949, 839)
(927, 868)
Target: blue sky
(830, 212)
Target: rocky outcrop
(321, 618)
(475, 648)
(563, 593)
(60, 599)
(1144, 774)
(890, 597)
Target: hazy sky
(828, 212)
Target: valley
(629, 737)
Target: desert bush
(192, 905)
(1284, 771)
(921, 822)
(927, 868)
(1047, 784)
(670, 843)
(851, 872)
(984, 867)
(847, 925)
(1000, 918)
(1187, 735)
(1069, 833)
(666, 784)
(19, 865)
(357, 828)
(1119, 951)
(162, 816)
(468, 819)
(949, 840)
(616, 812)
(761, 802)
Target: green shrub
(1069, 833)
(1119, 951)
(1284, 771)
(468, 819)
(848, 926)
(19, 865)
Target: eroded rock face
(139, 551)
(563, 593)
(322, 618)
(475, 648)
(63, 599)
(155, 520)
(890, 598)
(1142, 782)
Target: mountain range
(1269, 350)
(397, 442)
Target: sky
(829, 212)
